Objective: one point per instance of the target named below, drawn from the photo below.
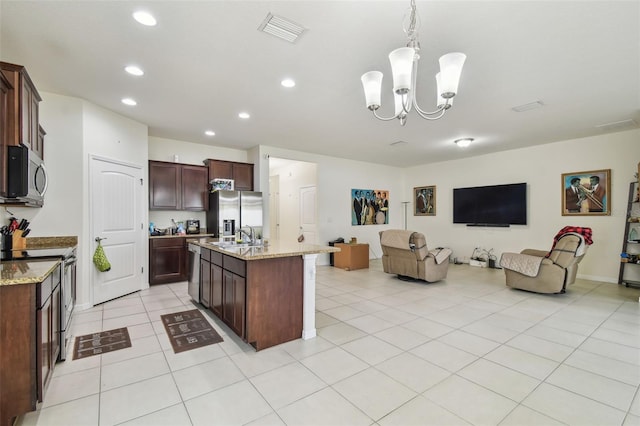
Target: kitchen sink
(233, 244)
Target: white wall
(75, 130)
(541, 168)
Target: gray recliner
(405, 253)
(533, 270)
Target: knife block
(19, 242)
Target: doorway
(295, 207)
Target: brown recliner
(405, 253)
(554, 273)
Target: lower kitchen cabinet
(48, 328)
(216, 284)
(205, 278)
(233, 307)
(29, 343)
(168, 259)
(260, 300)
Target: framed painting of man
(424, 201)
(586, 193)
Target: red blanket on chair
(585, 232)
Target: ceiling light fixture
(129, 101)
(210, 133)
(145, 18)
(288, 82)
(134, 70)
(464, 142)
(244, 115)
(404, 66)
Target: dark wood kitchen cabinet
(205, 277)
(260, 300)
(216, 283)
(241, 173)
(5, 88)
(174, 186)
(234, 293)
(23, 108)
(168, 259)
(48, 328)
(29, 343)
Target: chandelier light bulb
(372, 84)
(450, 70)
(401, 67)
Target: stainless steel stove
(67, 285)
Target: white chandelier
(404, 66)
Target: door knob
(98, 239)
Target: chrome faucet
(252, 235)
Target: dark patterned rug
(189, 330)
(102, 342)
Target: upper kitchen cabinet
(5, 89)
(241, 173)
(175, 186)
(23, 108)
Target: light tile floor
(467, 350)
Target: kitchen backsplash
(162, 219)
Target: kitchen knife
(23, 224)
(26, 232)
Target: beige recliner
(405, 253)
(533, 270)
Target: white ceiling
(206, 61)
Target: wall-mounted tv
(496, 205)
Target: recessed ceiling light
(288, 82)
(210, 133)
(129, 101)
(145, 18)
(244, 115)
(464, 142)
(134, 70)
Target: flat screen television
(496, 205)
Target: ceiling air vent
(617, 125)
(282, 28)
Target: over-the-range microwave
(26, 176)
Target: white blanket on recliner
(396, 238)
(522, 263)
(441, 254)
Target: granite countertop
(35, 270)
(51, 242)
(26, 271)
(272, 250)
(201, 235)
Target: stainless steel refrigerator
(232, 210)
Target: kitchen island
(265, 294)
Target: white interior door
(274, 207)
(308, 221)
(117, 219)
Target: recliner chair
(546, 272)
(405, 253)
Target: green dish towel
(100, 259)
